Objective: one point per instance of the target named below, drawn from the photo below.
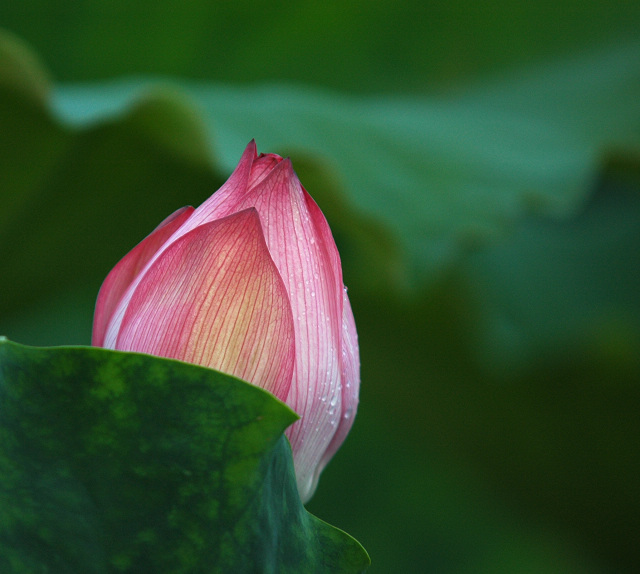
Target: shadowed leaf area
(118, 462)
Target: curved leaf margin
(123, 462)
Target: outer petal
(128, 268)
(304, 251)
(214, 297)
(316, 434)
(350, 385)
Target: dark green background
(479, 167)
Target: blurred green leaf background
(480, 168)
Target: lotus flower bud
(249, 283)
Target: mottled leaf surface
(121, 462)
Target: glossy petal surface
(215, 298)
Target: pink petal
(304, 252)
(214, 297)
(324, 378)
(350, 385)
(128, 268)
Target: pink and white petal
(350, 385)
(215, 298)
(128, 268)
(303, 249)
